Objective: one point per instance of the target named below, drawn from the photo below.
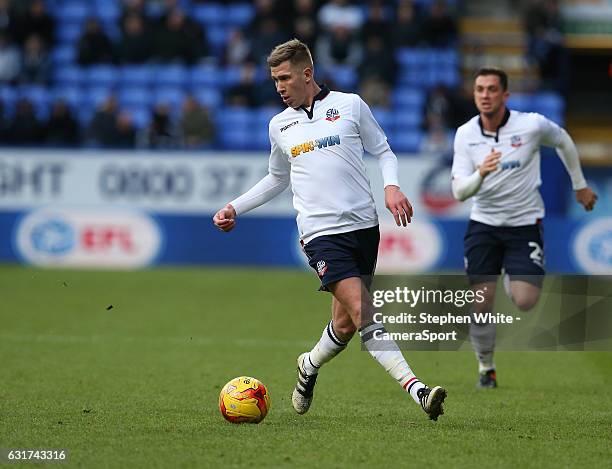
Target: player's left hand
(398, 205)
(587, 198)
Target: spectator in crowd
(94, 45)
(440, 28)
(10, 60)
(190, 27)
(545, 44)
(376, 24)
(437, 138)
(173, 41)
(135, 46)
(266, 10)
(267, 35)
(161, 133)
(37, 21)
(438, 107)
(26, 128)
(8, 23)
(238, 48)
(305, 29)
(407, 29)
(246, 92)
(135, 8)
(339, 13)
(62, 128)
(124, 132)
(376, 92)
(339, 46)
(378, 62)
(35, 62)
(102, 126)
(196, 128)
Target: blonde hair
(295, 51)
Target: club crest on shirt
(321, 268)
(332, 115)
(515, 141)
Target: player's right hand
(490, 163)
(225, 219)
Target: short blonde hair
(295, 51)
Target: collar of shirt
(319, 97)
(501, 124)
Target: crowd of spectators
(341, 33)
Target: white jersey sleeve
(552, 135)
(375, 143)
(463, 164)
(272, 184)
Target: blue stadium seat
(549, 103)
(39, 96)
(413, 98)
(172, 75)
(94, 97)
(63, 55)
(217, 36)
(211, 14)
(71, 75)
(231, 76)
(406, 141)
(407, 119)
(236, 117)
(8, 96)
(137, 75)
(135, 96)
(345, 77)
(384, 118)
(239, 14)
(107, 11)
(70, 94)
(73, 12)
(209, 97)
(141, 116)
(521, 102)
(172, 96)
(205, 76)
(102, 75)
(68, 33)
(236, 138)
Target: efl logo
(88, 238)
(401, 250)
(593, 247)
(332, 115)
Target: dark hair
(498, 72)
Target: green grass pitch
(123, 369)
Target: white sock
(326, 348)
(388, 354)
(483, 342)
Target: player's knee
(345, 330)
(526, 302)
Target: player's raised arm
(557, 137)
(272, 184)
(375, 142)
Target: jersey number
(537, 255)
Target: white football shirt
(510, 195)
(322, 155)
